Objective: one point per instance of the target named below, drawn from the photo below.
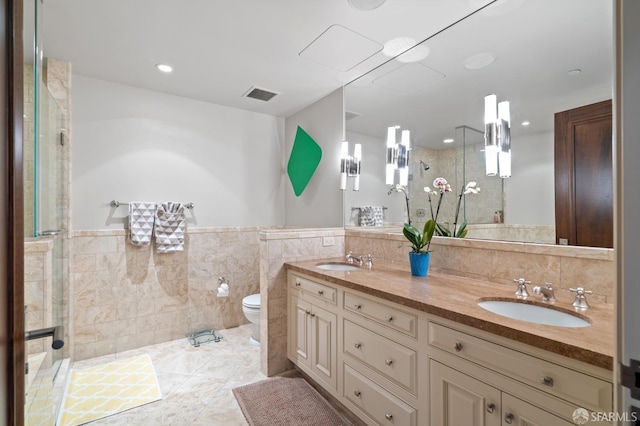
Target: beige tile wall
(124, 297)
(37, 290)
(500, 262)
(276, 248)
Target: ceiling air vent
(260, 94)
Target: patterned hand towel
(169, 227)
(366, 216)
(371, 216)
(141, 218)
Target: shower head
(424, 165)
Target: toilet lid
(252, 301)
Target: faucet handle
(580, 301)
(522, 292)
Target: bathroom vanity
(401, 350)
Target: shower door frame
(12, 215)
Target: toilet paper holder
(223, 288)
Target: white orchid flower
(439, 182)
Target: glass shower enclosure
(46, 214)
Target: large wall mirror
(542, 56)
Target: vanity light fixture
(497, 137)
(164, 68)
(398, 156)
(350, 165)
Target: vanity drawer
(383, 407)
(392, 360)
(384, 314)
(321, 291)
(579, 388)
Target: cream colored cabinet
(459, 399)
(393, 365)
(531, 390)
(313, 338)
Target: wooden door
(300, 323)
(460, 400)
(584, 176)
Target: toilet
(251, 309)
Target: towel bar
(116, 203)
(358, 208)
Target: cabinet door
(323, 345)
(300, 323)
(518, 412)
(460, 400)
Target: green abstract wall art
(304, 160)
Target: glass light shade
(357, 152)
(356, 183)
(391, 137)
(490, 109)
(404, 176)
(504, 113)
(391, 170)
(343, 180)
(491, 160)
(406, 138)
(344, 152)
(505, 164)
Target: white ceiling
(219, 49)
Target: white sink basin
(533, 313)
(337, 266)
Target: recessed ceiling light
(448, 140)
(164, 68)
(415, 54)
(397, 46)
(366, 4)
(479, 60)
(576, 71)
(526, 123)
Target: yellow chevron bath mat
(108, 389)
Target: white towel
(169, 227)
(141, 218)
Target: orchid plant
(440, 188)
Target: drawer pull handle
(388, 416)
(547, 381)
(298, 284)
(457, 346)
(312, 315)
(389, 318)
(320, 292)
(358, 306)
(508, 418)
(491, 407)
(357, 393)
(388, 361)
(357, 345)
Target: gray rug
(287, 402)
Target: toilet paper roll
(223, 292)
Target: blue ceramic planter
(419, 263)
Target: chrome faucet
(352, 258)
(521, 292)
(546, 292)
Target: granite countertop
(455, 298)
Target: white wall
(320, 204)
(373, 189)
(530, 191)
(141, 145)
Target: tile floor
(196, 383)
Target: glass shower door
(46, 190)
